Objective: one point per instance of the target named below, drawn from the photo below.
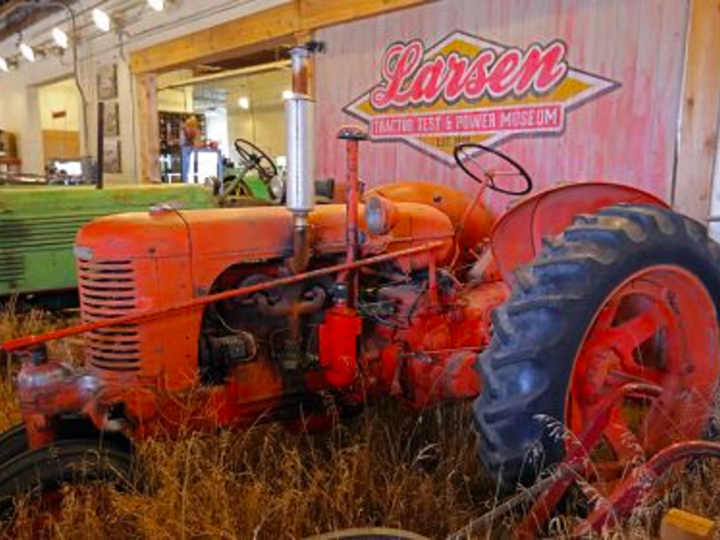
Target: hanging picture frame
(112, 157)
(111, 120)
(107, 82)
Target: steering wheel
(462, 154)
(254, 158)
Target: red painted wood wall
(627, 134)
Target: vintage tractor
(38, 224)
(209, 319)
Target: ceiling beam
(276, 25)
(219, 42)
(19, 15)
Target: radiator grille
(108, 290)
(21, 238)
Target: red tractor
(208, 319)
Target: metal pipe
(100, 145)
(300, 188)
(577, 460)
(300, 62)
(352, 135)
(638, 484)
(32, 341)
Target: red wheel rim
(658, 327)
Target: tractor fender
(516, 237)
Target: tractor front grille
(108, 290)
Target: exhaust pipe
(299, 110)
(300, 188)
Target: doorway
(60, 110)
(205, 113)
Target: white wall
(217, 129)
(175, 99)
(56, 98)
(19, 102)
(264, 122)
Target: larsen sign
(465, 89)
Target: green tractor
(38, 224)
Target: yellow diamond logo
(467, 89)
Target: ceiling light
(3, 65)
(287, 94)
(28, 52)
(157, 5)
(244, 103)
(60, 38)
(102, 19)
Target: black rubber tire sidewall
(527, 368)
(71, 462)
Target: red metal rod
(576, 462)
(30, 341)
(352, 202)
(432, 281)
(641, 481)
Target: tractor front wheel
(628, 295)
(42, 472)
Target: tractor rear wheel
(630, 294)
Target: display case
(200, 164)
(172, 141)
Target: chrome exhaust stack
(300, 187)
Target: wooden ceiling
(265, 56)
(18, 15)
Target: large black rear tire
(537, 335)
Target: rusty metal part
(352, 136)
(471, 222)
(47, 389)
(577, 463)
(657, 327)
(34, 340)
(312, 301)
(640, 482)
(369, 533)
(339, 346)
(299, 61)
(608, 511)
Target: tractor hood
(250, 234)
(132, 236)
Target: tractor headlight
(277, 188)
(381, 215)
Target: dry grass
(388, 467)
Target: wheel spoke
(621, 438)
(634, 373)
(629, 335)
(605, 318)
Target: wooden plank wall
(700, 112)
(628, 135)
